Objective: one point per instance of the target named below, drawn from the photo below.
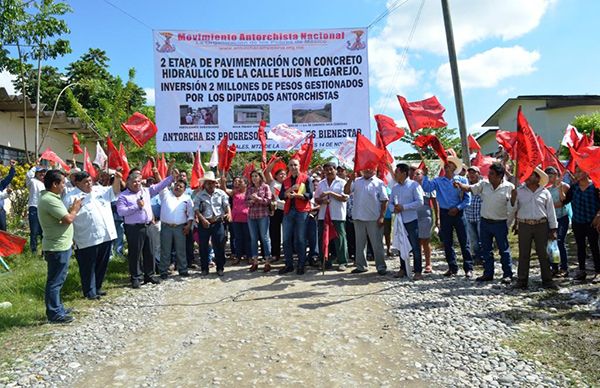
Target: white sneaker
(341, 268)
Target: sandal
(254, 267)
(427, 269)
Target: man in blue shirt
(452, 203)
(4, 193)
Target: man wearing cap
(452, 203)
(134, 205)
(5, 192)
(473, 215)
(34, 180)
(495, 210)
(94, 229)
(536, 223)
(212, 210)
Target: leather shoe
(267, 267)
(135, 283)
(253, 267)
(101, 292)
(449, 273)
(285, 270)
(220, 272)
(400, 274)
(152, 280)
(300, 271)
(64, 319)
(417, 276)
(185, 274)
(164, 276)
(382, 272)
(358, 270)
(550, 285)
(204, 272)
(484, 278)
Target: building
(58, 138)
(548, 115)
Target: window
(6, 154)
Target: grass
(22, 325)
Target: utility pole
(460, 110)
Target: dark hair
(181, 181)
(81, 175)
(498, 168)
(51, 177)
(329, 164)
(259, 173)
(278, 171)
(403, 167)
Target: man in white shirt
(176, 217)
(5, 193)
(330, 193)
(94, 230)
(35, 184)
(536, 222)
(370, 204)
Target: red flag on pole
(473, 144)
(140, 128)
(388, 129)
(549, 158)
(76, 145)
(305, 153)
(114, 158)
(423, 141)
(428, 113)
(507, 140)
(528, 153)
(161, 165)
(329, 233)
(124, 161)
(248, 170)
(588, 160)
(147, 169)
(262, 138)
(483, 162)
(88, 166)
(197, 171)
(50, 156)
(11, 244)
(367, 156)
(382, 167)
(231, 151)
(222, 152)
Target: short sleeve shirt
(57, 236)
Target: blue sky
(505, 48)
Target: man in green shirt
(57, 240)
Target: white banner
(208, 84)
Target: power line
(128, 14)
(388, 11)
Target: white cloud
(487, 69)
(149, 96)
(472, 21)
(6, 81)
(389, 72)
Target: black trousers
(189, 248)
(581, 232)
(141, 262)
(93, 262)
(275, 232)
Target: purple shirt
(128, 208)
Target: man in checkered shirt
(473, 216)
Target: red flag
(305, 153)
(140, 128)
(507, 140)
(549, 158)
(428, 113)
(11, 244)
(231, 151)
(388, 129)
(367, 156)
(423, 141)
(222, 152)
(473, 145)
(197, 171)
(147, 169)
(528, 153)
(124, 161)
(262, 138)
(52, 157)
(329, 232)
(76, 145)
(582, 142)
(588, 160)
(483, 162)
(382, 167)
(114, 158)
(421, 165)
(161, 165)
(248, 170)
(88, 166)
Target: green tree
(448, 137)
(587, 123)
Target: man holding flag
(330, 195)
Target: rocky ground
(317, 330)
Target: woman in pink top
(240, 233)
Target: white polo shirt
(175, 210)
(367, 197)
(337, 209)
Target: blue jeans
(241, 235)
(93, 263)
(311, 237)
(58, 267)
(215, 233)
(448, 224)
(498, 231)
(412, 229)
(294, 236)
(259, 230)
(35, 228)
(563, 228)
(474, 235)
(2, 219)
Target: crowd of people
(271, 216)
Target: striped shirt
(261, 208)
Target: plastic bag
(553, 252)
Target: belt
(217, 220)
(172, 225)
(492, 221)
(533, 222)
(142, 224)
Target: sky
(505, 48)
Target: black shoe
(220, 272)
(382, 272)
(449, 273)
(152, 279)
(484, 278)
(204, 272)
(101, 292)
(285, 270)
(185, 275)
(164, 276)
(94, 297)
(69, 310)
(520, 285)
(550, 285)
(358, 270)
(64, 319)
(300, 271)
(135, 283)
